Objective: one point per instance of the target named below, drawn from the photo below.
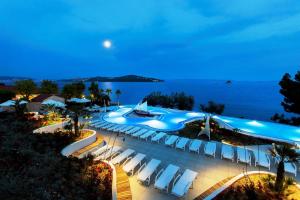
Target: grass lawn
(260, 189)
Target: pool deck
(210, 170)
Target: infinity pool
(174, 120)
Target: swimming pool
(174, 120)
(167, 119)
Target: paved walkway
(210, 170)
(123, 185)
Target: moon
(107, 44)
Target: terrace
(210, 169)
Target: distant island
(127, 78)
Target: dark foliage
(6, 95)
(212, 108)
(26, 88)
(290, 89)
(48, 87)
(175, 100)
(31, 166)
(73, 90)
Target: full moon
(107, 44)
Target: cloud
(264, 30)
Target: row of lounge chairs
(136, 162)
(243, 155)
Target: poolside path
(123, 185)
(212, 189)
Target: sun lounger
(101, 150)
(181, 143)
(210, 149)
(139, 133)
(171, 140)
(110, 153)
(120, 127)
(148, 134)
(147, 169)
(243, 155)
(101, 124)
(195, 145)
(131, 131)
(227, 152)
(133, 163)
(164, 177)
(262, 159)
(112, 127)
(107, 126)
(181, 187)
(127, 128)
(158, 137)
(289, 167)
(97, 123)
(122, 156)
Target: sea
(257, 100)
(253, 100)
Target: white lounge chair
(146, 135)
(146, 170)
(139, 133)
(97, 123)
(195, 145)
(288, 167)
(185, 181)
(110, 153)
(131, 164)
(102, 124)
(171, 140)
(158, 137)
(127, 128)
(119, 128)
(112, 127)
(131, 131)
(210, 149)
(107, 126)
(227, 152)
(164, 177)
(101, 150)
(243, 155)
(262, 159)
(181, 143)
(122, 156)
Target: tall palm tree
(285, 153)
(118, 93)
(108, 91)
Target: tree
(48, 87)
(212, 108)
(25, 88)
(6, 95)
(290, 89)
(118, 93)
(108, 91)
(285, 153)
(94, 91)
(75, 111)
(73, 90)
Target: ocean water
(253, 100)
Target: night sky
(208, 39)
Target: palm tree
(108, 91)
(285, 153)
(118, 93)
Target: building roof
(41, 97)
(7, 87)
